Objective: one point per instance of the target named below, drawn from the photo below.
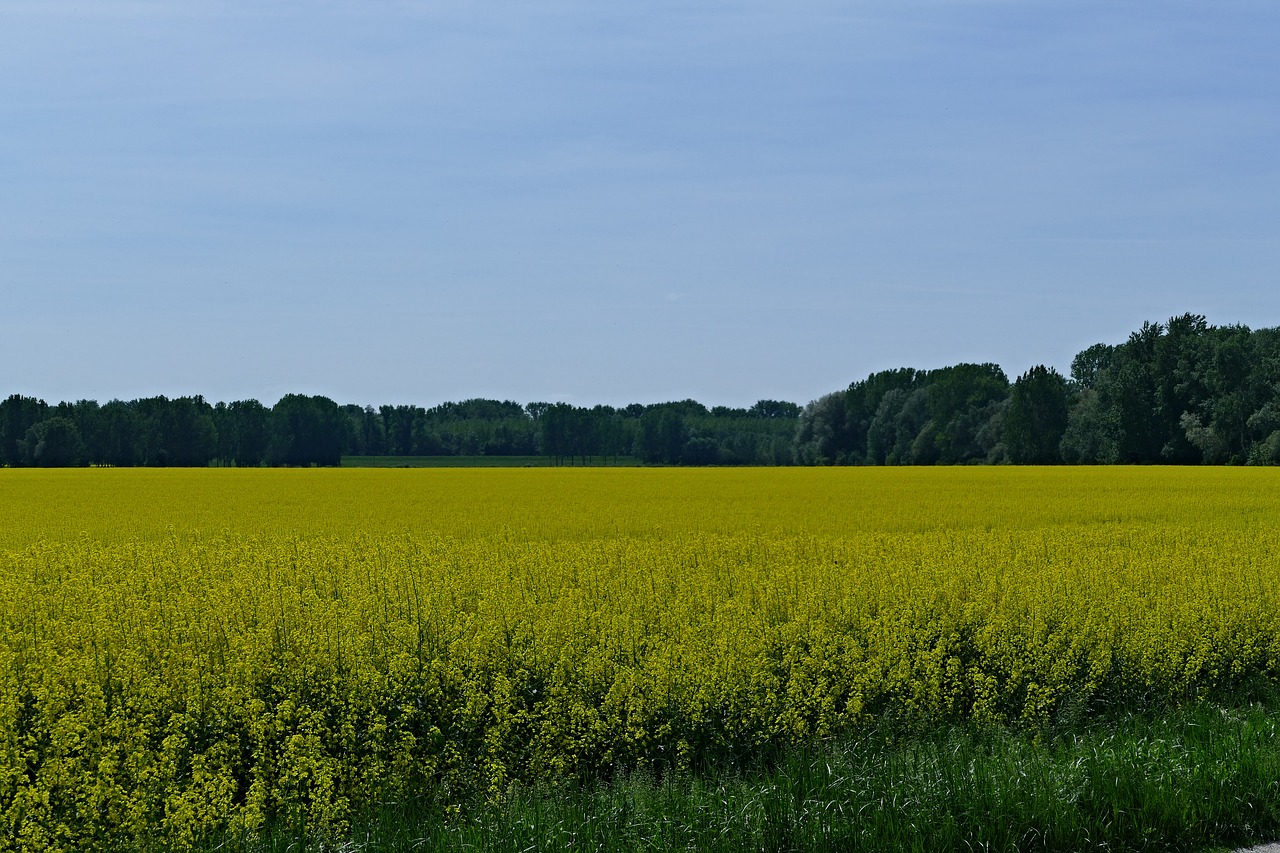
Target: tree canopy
(1176, 392)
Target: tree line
(1179, 392)
(302, 430)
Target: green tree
(774, 409)
(664, 432)
(190, 438)
(121, 434)
(1036, 418)
(305, 431)
(863, 400)
(612, 436)
(55, 443)
(250, 422)
(899, 421)
(18, 414)
(1092, 436)
(821, 436)
(962, 399)
(1089, 363)
(87, 416)
(403, 428)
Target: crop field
(189, 652)
(478, 462)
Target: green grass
(1193, 779)
(474, 462)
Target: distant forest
(1182, 392)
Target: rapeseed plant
(184, 653)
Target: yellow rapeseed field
(188, 651)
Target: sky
(401, 201)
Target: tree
(1266, 452)
(1134, 390)
(18, 415)
(55, 443)
(1088, 363)
(611, 434)
(250, 421)
(1235, 372)
(121, 434)
(700, 450)
(774, 409)
(191, 439)
(1036, 418)
(1181, 356)
(305, 431)
(175, 432)
(882, 433)
(961, 402)
(152, 419)
(87, 416)
(821, 438)
(555, 430)
(1212, 446)
(664, 433)
(862, 404)
(400, 424)
(1092, 436)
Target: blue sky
(401, 201)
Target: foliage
(1188, 779)
(1177, 392)
(1036, 419)
(1180, 392)
(301, 430)
(305, 431)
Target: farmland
(191, 652)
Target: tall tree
(1036, 418)
(821, 436)
(664, 432)
(774, 409)
(251, 422)
(862, 404)
(121, 434)
(55, 443)
(18, 414)
(962, 399)
(305, 431)
(191, 439)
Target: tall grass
(1186, 779)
